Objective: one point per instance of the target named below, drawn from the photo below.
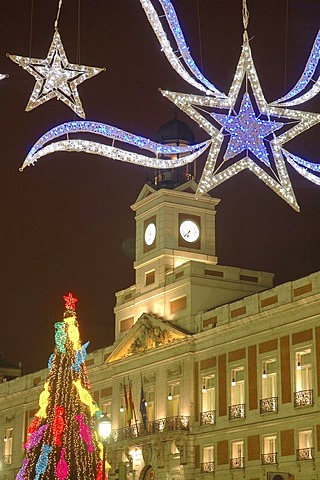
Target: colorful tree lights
(61, 441)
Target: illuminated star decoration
(70, 301)
(202, 109)
(56, 77)
(247, 131)
(260, 149)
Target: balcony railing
(303, 398)
(268, 405)
(236, 463)
(305, 454)
(207, 467)
(208, 418)
(169, 424)
(269, 458)
(7, 459)
(237, 411)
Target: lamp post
(104, 430)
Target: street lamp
(104, 431)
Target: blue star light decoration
(247, 131)
(250, 137)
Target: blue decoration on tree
(80, 357)
(42, 462)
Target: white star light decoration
(245, 131)
(56, 77)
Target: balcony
(236, 463)
(269, 459)
(207, 467)
(162, 425)
(303, 398)
(237, 411)
(269, 405)
(208, 418)
(305, 454)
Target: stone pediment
(145, 192)
(148, 333)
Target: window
(269, 455)
(208, 394)
(237, 408)
(269, 399)
(305, 451)
(237, 454)
(150, 278)
(150, 399)
(7, 448)
(303, 371)
(207, 465)
(173, 400)
(208, 400)
(237, 386)
(303, 379)
(269, 379)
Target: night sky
(66, 223)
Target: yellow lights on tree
(85, 397)
(43, 401)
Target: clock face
(150, 234)
(189, 231)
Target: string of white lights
(183, 154)
(315, 167)
(303, 171)
(183, 48)
(304, 80)
(114, 153)
(171, 55)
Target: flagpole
(132, 404)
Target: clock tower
(177, 275)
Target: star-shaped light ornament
(247, 131)
(70, 301)
(245, 135)
(56, 77)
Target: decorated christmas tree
(61, 440)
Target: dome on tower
(175, 132)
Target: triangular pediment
(145, 192)
(148, 333)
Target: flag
(143, 409)
(130, 404)
(128, 409)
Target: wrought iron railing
(7, 459)
(303, 398)
(208, 418)
(305, 454)
(268, 405)
(236, 463)
(269, 458)
(161, 425)
(237, 411)
(207, 467)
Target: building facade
(223, 368)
